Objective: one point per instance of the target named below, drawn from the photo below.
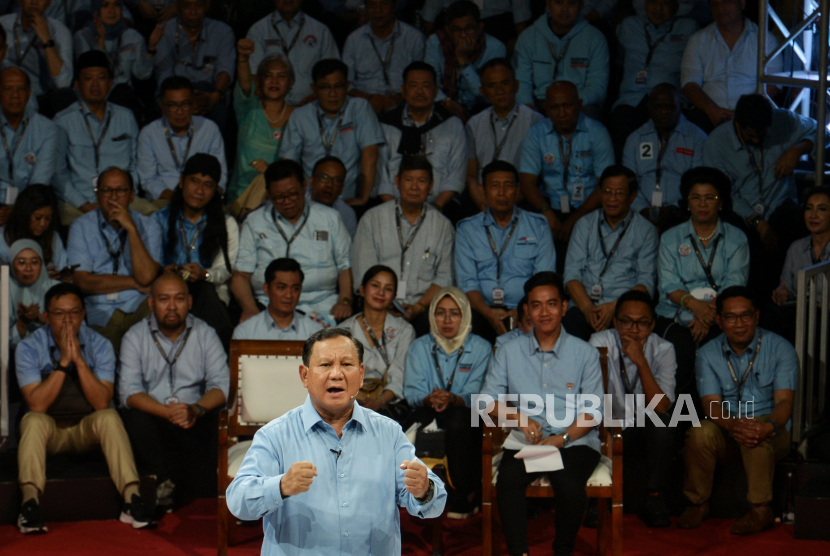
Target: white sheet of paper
(515, 440)
(541, 458)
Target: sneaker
(136, 514)
(164, 495)
(693, 516)
(464, 510)
(30, 522)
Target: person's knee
(36, 424)
(703, 438)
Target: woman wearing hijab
(29, 283)
(443, 370)
(34, 216)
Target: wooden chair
(269, 388)
(601, 485)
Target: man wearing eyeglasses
(642, 363)
(747, 378)
(326, 186)
(612, 250)
(165, 144)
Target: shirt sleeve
(164, 60)
(78, 248)
(350, 55)
(416, 383)
(246, 257)
(465, 266)
(736, 272)
(217, 373)
(668, 275)
(404, 450)
(63, 40)
(367, 125)
(576, 258)
(395, 376)
(46, 154)
(255, 490)
(495, 383)
(27, 364)
(104, 359)
(219, 273)
(546, 258)
(443, 272)
(291, 146)
(523, 62)
(477, 373)
(364, 251)
(457, 159)
(132, 132)
(664, 370)
(647, 258)
(435, 58)
(226, 60)
(707, 380)
(531, 161)
(129, 374)
(152, 238)
(786, 367)
(328, 48)
(65, 187)
(142, 65)
(148, 163)
(596, 79)
(591, 381)
(216, 147)
(521, 11)
(629, 161)
(788, 273)
(603, 150)
(691, 67)
(342, 244)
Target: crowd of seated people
(168, 184)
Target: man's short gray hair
(326, 334)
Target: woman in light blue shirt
(34, 216)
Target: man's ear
(304, 375)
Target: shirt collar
(490, 221)
(808, 248)
(191, 127)
(625, 221)
(580, 126)
(534, 343)
(276, 214)
(691, 229)
(87, 112)
(495, 118)
(750, 348)
(311, 417)
(103, 224)
(407, 121)
(154, 325)
(273, 323)
(188, 223)
(396, 31)
(298, 19)
(4, 122)
(321, 114)
(203, 37)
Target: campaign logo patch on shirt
(526, 241)
(321, 235)
(585, 154)
(310, 41)
(272, 42)
(390, 333)
(549, 159)
(570, 386)
(31, 158)
(465, 367)
(687, 152)
(349, 127)
(685, 250)
(277, 135)
(579, 62)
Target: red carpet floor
(191, 531)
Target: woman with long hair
(34, 216)
(28, 287)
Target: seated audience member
(568, 151)
(66, 373)
(807, 251)
(303, 39)
(377, 53)
(29, 157)
(117, 252)
(165, 145)
(422, 253)
(759, 152)
(419, 127)
(503, 20)
(262, 112)
(642, 363)
(93, 135)
(43, 49)
(34, 217)
(720, 62)
(612, 250)
(172, 417)
(523, 324)
(761, 434)
(147, 15)
(562, 46)
(497, 251)
(551, 363)
(200, 241)
(386, 339)
(652, 49)
(280, 320)
(457, 52)
(497, 132)
(202, 50)
(27, 288)
(660, 152)
(444, 369)
(326, 187)
(698, 259)
(288, 225)
(336, 125)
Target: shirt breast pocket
(542, 71)
(81, 146)
(524, 257)
(765, 379)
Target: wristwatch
(566, 439)
(428, 496)
(200, 411)
(49, 44)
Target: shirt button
(345, 534)
(342, 474)
(544, 386)
(344, 504)
(546, 364)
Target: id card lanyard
(297, 231)
(707, 267)
(740, 385)
(448, 386)
(412, 233)
(171, 364)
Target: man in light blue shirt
(746, 378)
(336, 125)
(293, 475)
(498, 250)
(303, 39)
(93, 135)
(280, 320)
(457, 52)
(612, 250)
(547, 362)
(377, 53)
(504, 19)
(173, 381)
(659, 153)
(288, 225)
(562, 47)
(326, 187)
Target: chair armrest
(492, 440)
(223, 428)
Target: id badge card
(112, 296)
(11, 195)
(759, 209)
(642, 75)
(596, 292)
(498, 297)
(401, 290)
(170, 399)
(564, 204)
(657, 199)
(578, 191)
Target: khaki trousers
(119, 323)
(40, 435)
(709, 445)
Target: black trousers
(570, 501)
(657, 443)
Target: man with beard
(174, 378)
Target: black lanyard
(628, 385)
(115, 59)
(613, 249)
(329, 143)
(557, 59)
(381, 346)
(170, 364)
(116, 255)
(96, 145)
(498, 254)
(565, 156)
(759, 168)
(662, 146)
(287, 50)
(384, 62)
(500, 145)
(297, 231)
(173, 149)
(652, 45)
(448, 386)
(197, 67)
(189, 248)
(17, 52)
(412, 232)
(707, 267)
(11, 152)
(740, 385)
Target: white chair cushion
(269, 386)
(600, 477)
(236, 454)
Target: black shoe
(30, 522)
(591, 519)
(655, 514)
(136, 514)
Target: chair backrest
(265, 383)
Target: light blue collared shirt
(31, 58)
(466, 369)
(776, 368)
(530, 251)
(668, 41)
(680, 269)
(661, 359)
(724, 151)
(591, 152)
(507, 336)
(127, 54)
(519, 8)
(468, 82)
(351, 506)
(683, 151)
(725, 74)
(633, 263)
(799, 255)
(585, 61)
(485, 131)
(76, 167)
(354, 128)
(58, 251)
(322, 248)
(87, 247)
(570, 368)
(215, 53)
(364, 53)
(33, 154)
(314, 43)
(177, 254)
(157, 166)
(264, 327)
(347, 214)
